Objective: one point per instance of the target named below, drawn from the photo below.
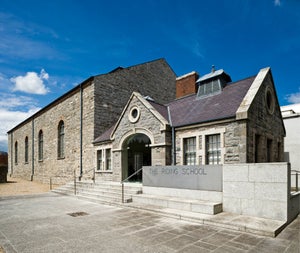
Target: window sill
(40, 161)
(60, 158)
(104, 171)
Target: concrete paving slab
(42, 223)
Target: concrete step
(248, 224)
(191, 205)
(101, 192)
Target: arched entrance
(137, 154)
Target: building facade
(212, 121)
(58, 139)
(291, 119)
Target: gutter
(32, 151)
(173, 139)
(81, 130)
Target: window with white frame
(104, 159)
(99, 160)
(189, 151)
(213, 149)
(108, 159)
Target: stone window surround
(201, 151)
(103, 148)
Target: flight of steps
(101, 192)
(111, 193)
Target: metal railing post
(122, 192)
(94, 175)
(74, 182)
(297, 181)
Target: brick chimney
(186, 84)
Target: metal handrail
(126, 179)
(93, 178)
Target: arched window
(26, 149)
(61, 140)
(41, 145)
(16, 152)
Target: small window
(190, 151)
(99, 160)
(108, 159)
(16, 152)
(61, 140)
(26, 149)
(213, 149)
(209, 88)
(41, 145)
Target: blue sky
(48, 47)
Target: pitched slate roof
(105, 136)
(192, 110)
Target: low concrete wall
(193, 177)
(294, 206)
(213, 196)
(260, 190)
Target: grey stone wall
(112, 92)
(233, 136)
(265, 124)
(104, 98)
(147, 124)
(67, 110)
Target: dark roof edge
(139, 64)
(204, 122)
(62, 97)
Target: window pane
(41, 144)
(99, 160)
(190, 151)
(61, 141)
(213, 149)
(108, 159)
(26, 150)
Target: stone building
(291, 119)
(212, 121)
(58, 139)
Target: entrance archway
(137, 154)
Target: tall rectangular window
(41, 145)
(26, 149)
(108, 159)
(256, 149)
(189, 151)
(99, 160)
(269, 150)
(16, 152)
(61, 140)
(213, 149)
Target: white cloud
(31, 83)
(10, 119)
(277, 2)
(293, 98)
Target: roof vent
(213, 69)
(212, 83)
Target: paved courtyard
(54, 223)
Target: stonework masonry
(86, 111)
(148, 125)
